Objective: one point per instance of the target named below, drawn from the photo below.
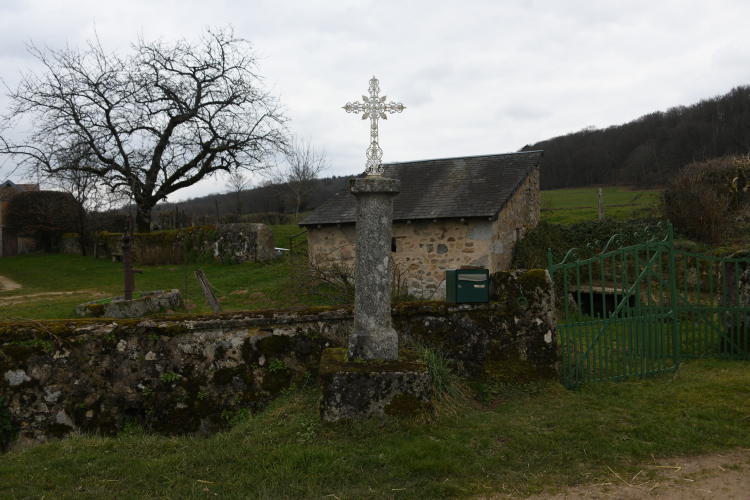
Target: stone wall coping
(227, 320)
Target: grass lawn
(53, 284)
(536, 438)
(569, 206)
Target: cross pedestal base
(355, 390)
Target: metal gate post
(676, 334)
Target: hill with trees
(649, 150)
(267, 197)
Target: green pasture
(568, 206)
(530, 439)
(53, 284)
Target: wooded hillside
(646, 151)
(260, 199)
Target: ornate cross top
(373, 108)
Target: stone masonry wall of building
(426, 248)
(520, 214)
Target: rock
(148, 303)
(16, 377)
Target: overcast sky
(477, 77)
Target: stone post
(373, 337)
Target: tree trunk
(143, 216)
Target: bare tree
(302, 164)
(237, 183)
(156, 121)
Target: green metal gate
(633, 306)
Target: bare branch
(158, 120)
(302, 165)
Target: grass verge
(526, 443)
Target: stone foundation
(355, 390)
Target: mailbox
(467, 285)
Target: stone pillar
(373, 337)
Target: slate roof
(473, 186)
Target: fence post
(207, 292)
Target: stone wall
(191, 374)
(424, 249)
(229, 243)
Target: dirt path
(8, 284)
(715, 476)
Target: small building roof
(472, 186)
(20, 187)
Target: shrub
(44, 214)
(231, 219)
(531, 251)
(155, 255)
(706, 200)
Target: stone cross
(374, 107)
(373, 337)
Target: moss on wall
(180, 374)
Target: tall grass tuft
(451, 395)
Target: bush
(706, 200)
(531, 251)
(158, 255)
(231, 219)
(44, 214)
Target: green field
(53, 284)
(568, 206)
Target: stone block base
(362, 389)
(118, 307)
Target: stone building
(10, 243)
(451, 213)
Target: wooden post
(206, 287)
(601, 205)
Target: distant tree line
(648, 151)
(267, 197)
